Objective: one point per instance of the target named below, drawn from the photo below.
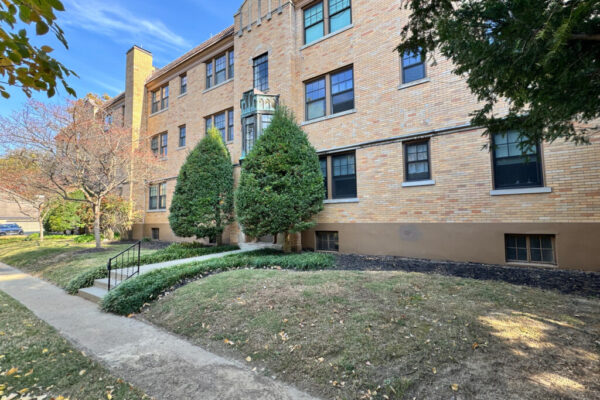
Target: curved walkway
(161, 364)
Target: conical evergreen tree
(281, 185)
(202, 204)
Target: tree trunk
(96, 209)
(290, 245)
(41, 224)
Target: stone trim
(327, 117)
(414, 83)
(218, 86)
(425, 182)
(505, 192)
(336, 201)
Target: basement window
(155, 234)
(538, 249)
(327, 241)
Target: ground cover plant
(392, 334)
(131, 295)
(35, 361)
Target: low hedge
(175, 251)
(131, 295)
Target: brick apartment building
(405, 172)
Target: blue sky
(100, 32)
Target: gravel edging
(566, 281)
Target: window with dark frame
(515, 165)
(155, 101)
(164, 141)
(413, 67)
(220, 69)
(183, 84)
(314, 27)
(342, 91)
(209, 74)
(340, 14)
(343, 178)
(162, 196)
(416, 165)
(230, 126)
(155, 234)
(182, 135)
(323, 164)
(261, 72)
(165, 97)
(154, 145)
(327, 241)
(231, 58)
(207, 124)
(315, 99)
(219, 123)
(530, 248)
(153, 197)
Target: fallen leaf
(81, 372)
(455, 387)
(434, 370)
(12, 371)
(475, 345)
(29, 372)
(24, 390)
(131, 315)
(108, 396)
(44, 351)
(248, 358)
(321, 359)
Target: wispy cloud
(115, 21)
(112, 88)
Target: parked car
(10, 229)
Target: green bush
(175, 251)
(131, 295)
(86, 278)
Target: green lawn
(36, 361)
(393, 335)
(56, 260)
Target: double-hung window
(340, 14)
(341, 94)
(413, 67)
(343, 168)
(182, 135)
(219, 123)
(342, 91)
(154, 145)
(209, 74)
(416, 156)
(261, 72)
(323, 164)
(230, 125)
(165, 97)
(314, 27)
(220, 69)
(164, 141)
(516, 165)
(157, 196)
(315, 99)
(183, 84)
(231, 59)
(155, 101)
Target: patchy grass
(57, 260)
(393, 335)
(36, 361)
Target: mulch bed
(566, 281)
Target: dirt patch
(565, 281)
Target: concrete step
(93, 293)
(103, 283)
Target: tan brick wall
(384, 109)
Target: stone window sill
(344, 29)
(181, 148)
(506, 192)
(336, 201)
(159, 112)
(327, 117)
(217, 86)
(156, 211)
(531, 264)
(181, 95)
(427, 182)
(414, 83)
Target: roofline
(136, 47)
(115, 99)
(224, 34)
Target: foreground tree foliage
(22, 64)
(75, 150)
(64, 215)
(543, 56)
(281, 185)
(202, 204)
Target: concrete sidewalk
(159, 363)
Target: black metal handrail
(127, 262)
